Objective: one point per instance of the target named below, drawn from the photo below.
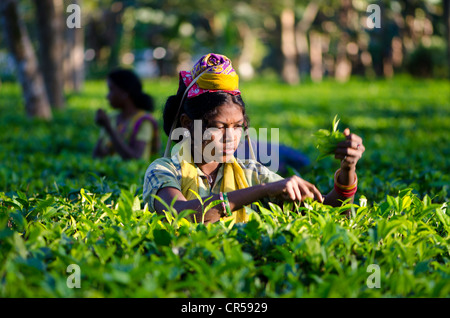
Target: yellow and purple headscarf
(212, 73)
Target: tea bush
(58, 206)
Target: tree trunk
(248, 47)
(301, 36)
(50, 18)
(447, 29)
(316, 56)
(343, 64)
(74, 60)
(36, 101)
(112, 18)
(290, 72)
(74, 57)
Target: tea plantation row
(69, 221)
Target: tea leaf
(326, 140)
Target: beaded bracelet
(225, 203)
(346, 191)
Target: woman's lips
(228, 150)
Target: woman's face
(223, 134)
(115, 95)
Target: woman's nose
(229, 134)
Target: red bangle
(345, 194)
(344, 187)
(346, 191)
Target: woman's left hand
(350, 150)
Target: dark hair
(130, 82)
(203, 106)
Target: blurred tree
(289, 73)
(447, 31)
(292, 38)
(345, 16)
(280, 39)
(301, 38)
(30, 78)
(50, 21)
(74, 54)
(104, 32)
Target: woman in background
(131, 133)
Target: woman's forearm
(346, 177)
(237, 199)
(124, 150)
(335, 199)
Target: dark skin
(291, 189)
(120, 100)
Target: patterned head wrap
(212, 73)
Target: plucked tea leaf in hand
(327, 140)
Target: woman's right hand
(101, 118)
(294, 188)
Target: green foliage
(327, 140)
(58, 206)
(428, 61)
(124, 250)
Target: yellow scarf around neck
(233, 179)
